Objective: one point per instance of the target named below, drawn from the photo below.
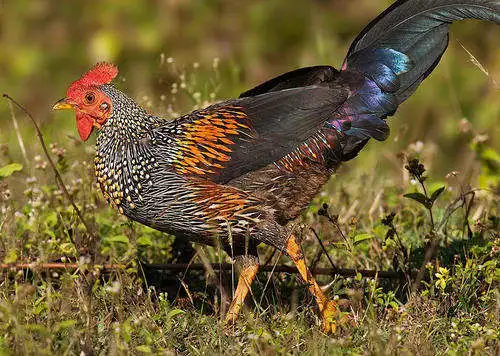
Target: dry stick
(427, 258)
(268, 260)
(181, 267)
(59, 180)
(316, 259)
(346, 272)
(324, 250)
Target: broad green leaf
(491, 155)
(37, 328)
(11, 257)
(418, 197)
(362, 237)
(435, 185)
(144, 241)
(175, 312)
(51, 219)
(67, 248)
(435, 194)
(51, 233)
(65, 324)
(118, 239)
(143, 348)
(341, 245)
(380, 231)
(39, 308)
(444, 271)
(7, 170)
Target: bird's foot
(329, 316)
(333, 318)
(230, 326)
(230, 318)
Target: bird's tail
(396, 52)
(402, 46)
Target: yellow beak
(62, 105)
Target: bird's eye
(89, 98)
(104, 106)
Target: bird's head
(93, 107)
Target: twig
(56, 265)
(179, 267)
(59, 180)
(316, 259)
(268, 260)
(334, 220)
(454, 206)
(429, 252)
(324, 249)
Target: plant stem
(324, 250)
(429, 209)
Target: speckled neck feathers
(124, 157)
(128, 121)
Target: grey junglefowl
(246, 167)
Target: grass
(408, 221)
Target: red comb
(99, 74)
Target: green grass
(450, 124)
(455, 309)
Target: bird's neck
(123, 151)
(129, 122)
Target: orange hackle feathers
(205, 143)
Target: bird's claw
(332, 318)
(329, 316)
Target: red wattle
(85, 124)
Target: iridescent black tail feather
(384, 66)
(395, 53)
(402, 46)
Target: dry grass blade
(481, 67)
(18, 133)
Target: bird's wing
(302, 77)
(227, 140)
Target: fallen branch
(178, 267)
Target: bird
(238, 173)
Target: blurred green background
(45, 45)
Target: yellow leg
(247, 276)
(328, 308)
